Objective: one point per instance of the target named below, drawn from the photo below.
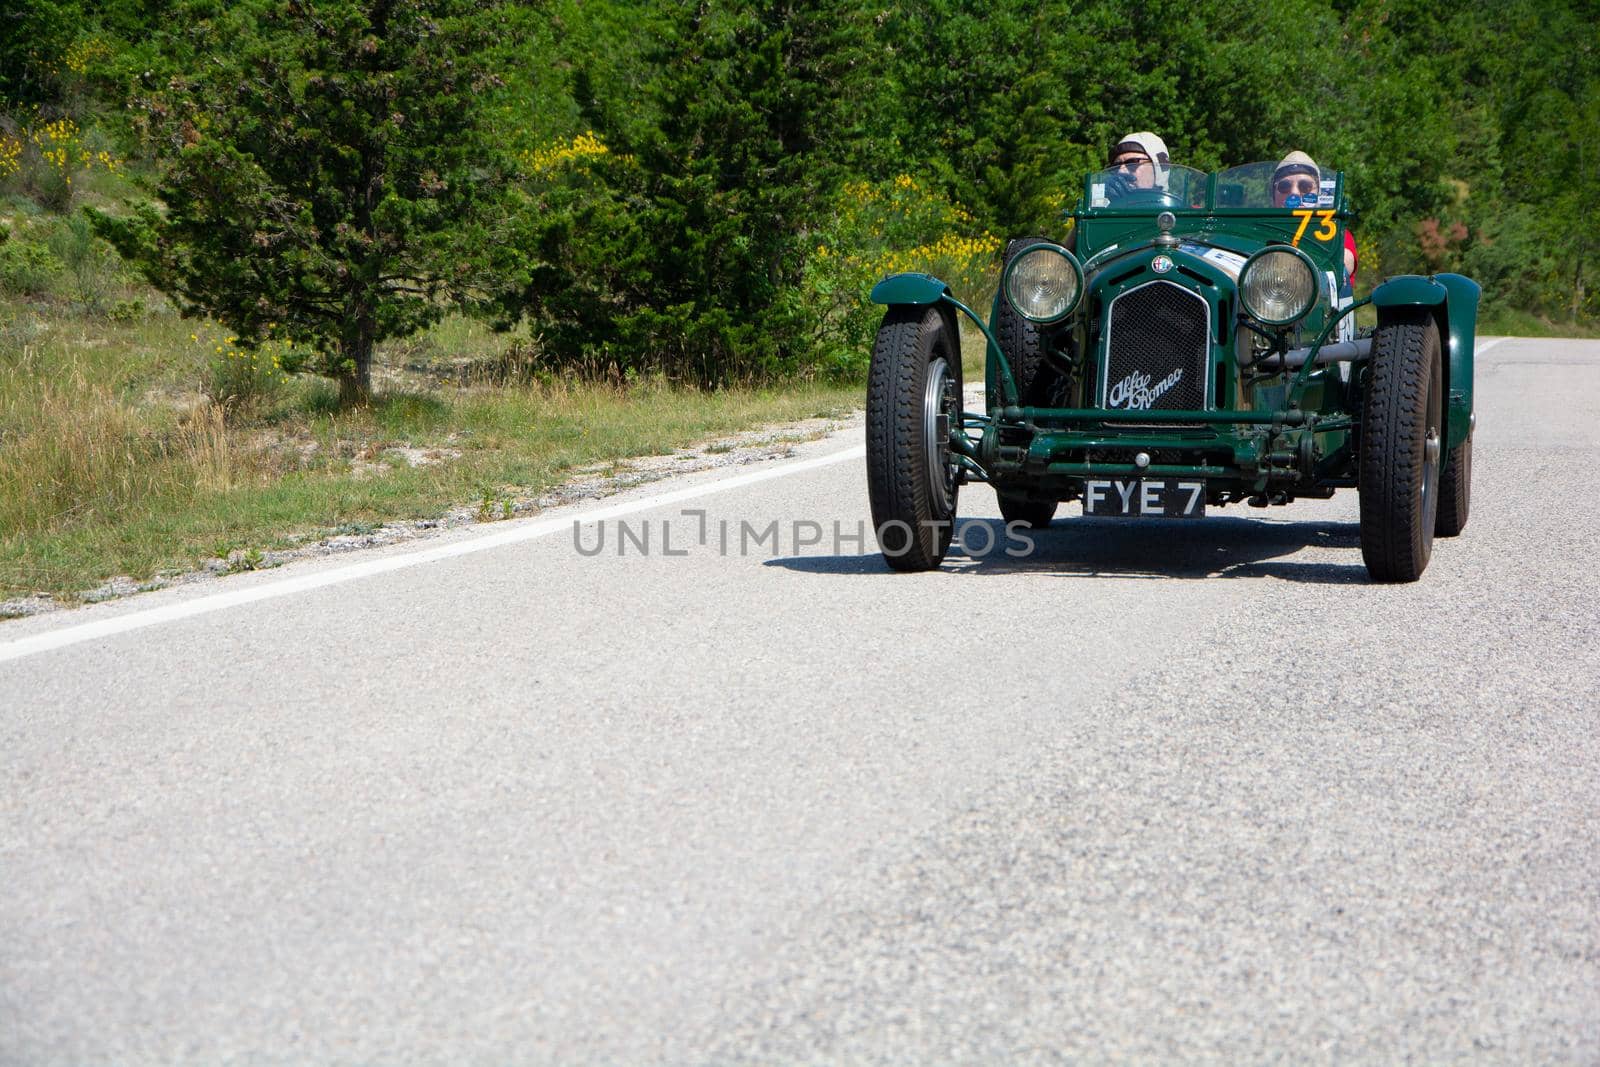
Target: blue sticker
(1292, 201)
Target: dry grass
(113, 462)
(77, 454)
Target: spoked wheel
(913, 402)
(1401, 442)
(1034, 514)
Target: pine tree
(324, 176)
(687, 257)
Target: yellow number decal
(1326, 231)
(1305, 220)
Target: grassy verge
(1501, 322)
(115, 461)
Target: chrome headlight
(1044, 283)
(1278, 285)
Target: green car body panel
(915, 289)
(1273, 420)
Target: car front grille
(1158, 340)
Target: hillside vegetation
(244, 245)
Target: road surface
(1160, 792)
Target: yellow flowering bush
(10, 155)
(886, 228)
(82, 56)
(237, 375)
(545, 160)
(45, 157)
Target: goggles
(1304, 186)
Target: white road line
(1496, 343)
(510, 535)
(504, 535)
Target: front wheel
(1034, 514)
(913, 402)
(1401, 439)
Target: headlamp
(1043, 283)
(1278, 285)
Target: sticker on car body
(1230, 263)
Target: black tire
(1022, 343)
(1455, 491)
(911, 483)
(1402, 427)
(1034, 514)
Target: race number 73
(1323, 232)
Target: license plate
(1167, 498)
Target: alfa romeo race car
(1192, 346)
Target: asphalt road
(1161, 792)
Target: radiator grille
(1158, 340)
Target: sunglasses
(1131, 163)
(1289, 185)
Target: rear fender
(1461, 308)
(1453, 301)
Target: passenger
(1298, 175)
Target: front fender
(916, 289)
(1453, 300)
(920, 290)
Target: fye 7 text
(1157, 497)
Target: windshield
(1254, 185)
(1148, 186)
(1251, 187)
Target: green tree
(33, 37)
(327, 175)
(684, 248)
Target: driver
(1297, 175)
(1140, 161)
(1137, 161)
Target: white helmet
(1296, 163)
(1151, 146)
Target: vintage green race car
(1192, 345)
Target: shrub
(91, 267)
(681, 247)
(43, 158)
(27, 268)
(885, 228)
(238, 376)
(126, 311)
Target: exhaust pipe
(1339, 352)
